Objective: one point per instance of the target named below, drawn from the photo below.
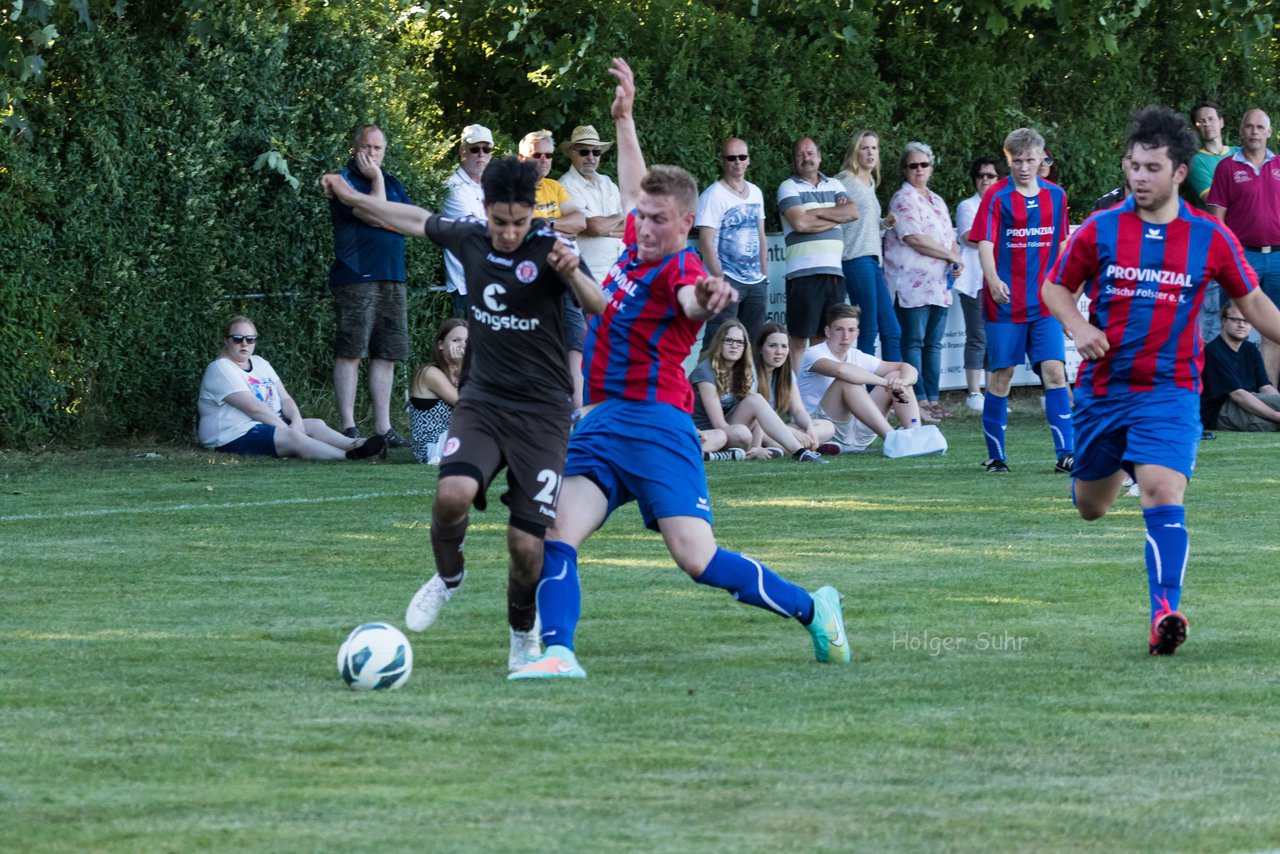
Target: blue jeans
(864, 280)
(922, 331)
(1267, 266)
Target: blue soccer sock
(559, 594)
(1168, 546)
(752, 582)
(995, 415)
(1057, 411)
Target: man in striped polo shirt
(813, 208)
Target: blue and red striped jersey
(635, 349)
(1145, 283)
(1026, 232)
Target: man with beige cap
(597, 196)
(465, 198)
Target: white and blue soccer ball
(375, 656)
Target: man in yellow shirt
(552, 204)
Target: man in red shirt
(1246, 196)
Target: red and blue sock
(1168, 546)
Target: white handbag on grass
(915, 442)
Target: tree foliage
(158, 169)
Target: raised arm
(409, 220)
(631, 166)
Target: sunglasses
(476, 149)
(244, 339)
(590, 152)
(919, 165)
(735, 157)
(540, 155)
(988, 175)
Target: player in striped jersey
(1145, 264)
(638, 441)
(1020, 226)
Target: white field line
(234, 505)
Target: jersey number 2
(550, 487)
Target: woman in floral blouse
(920, 257)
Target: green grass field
(169, 628)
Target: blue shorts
(260, 441)
(1125, 429)
(645, 452)
(1009, 343)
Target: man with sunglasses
(731, 242)
(367, 282)
(465, 199)
(554, 205)
(597, 196)
(1237, 394)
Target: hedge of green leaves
(165, 175)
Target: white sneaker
(427, 602)
(526, 648)
(975, 401)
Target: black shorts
(808, 298)
(372, 318)
(484, 437)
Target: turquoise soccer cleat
(558, 662)
(827, 628)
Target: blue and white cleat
(558, 662)
(827, 628)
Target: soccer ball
(375, 656)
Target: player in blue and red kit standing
(1020, 228)
(638, 442)
(1145, 264)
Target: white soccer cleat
(525, 649)
(425, 606)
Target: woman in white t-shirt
(244, 409)
(862, 258)
(984, 173)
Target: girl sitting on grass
(434, 391)
(725, 399)
(777, 385)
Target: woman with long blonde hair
(863, 256)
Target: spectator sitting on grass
(244, 409)
(833, 380)
(777, 385)
(724, 399)
(434, 392)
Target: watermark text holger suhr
(935, 643)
